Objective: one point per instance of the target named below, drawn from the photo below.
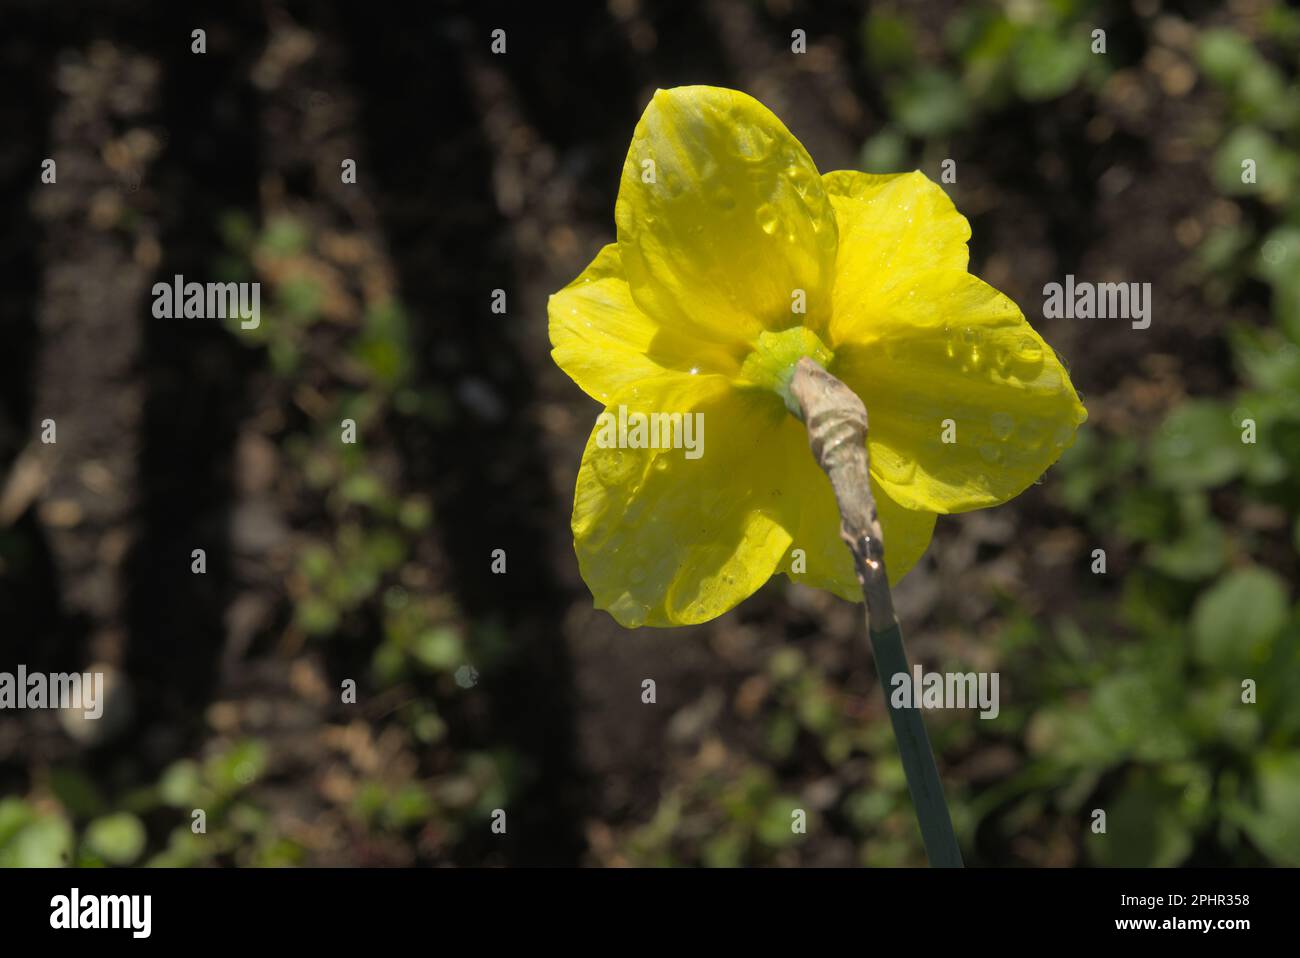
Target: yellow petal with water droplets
(663, 539)
(724, 226)
(891, 228)
(600, 337)
(950, 357)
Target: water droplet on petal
(768, 221)
(800, 179)
(750, 143)
(1002, 424)
(614, 467)
(1032, 432)
(1028, 350)
(629, 610)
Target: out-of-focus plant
(1183, 722)
(991, 56)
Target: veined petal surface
(724, 226)
(967, 405)
(663, 539)
(600, 337)
(891, 227)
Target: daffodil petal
(724, 226)
(948, 357)
(891, 227)
(663, 539)
(856, 185)
(827, 563)
(907, 532)
(600, 337)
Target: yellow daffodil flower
(735, 258)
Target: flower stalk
(836, 420)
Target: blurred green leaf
(1197, 447)
(411, 805)
(868, 807)
(14, 815)
(930, 103)
(31, 839)
(300, 299)
(1235, 621)
(316, 615)
(1286, 306)
(383, 347)
(76, 792)
(184, 850)
(1262, 94)
(1224, 247)
(118, 839)
(363, 489)
(284, 236)
(1138, 711)
(1048, 63)
(1145, 513)
(1224, 56)
(1282, 24)
(238, 767)
(1274, 168)
(280, 852)
(817, 711)
(1198, 553)
(782, 732)
(1266, 360)
(1274, 825)
(886, 152)
(775, 825)
(1131, 714)
(1144, 827)
(415, 513)
(1279, 255)
(888, 42)
(181, 784)
(1216, 715)
(726, 849)
(439, 649)
(315, 562)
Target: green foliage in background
(993, 56)
(1134, 708)
(1200, 520)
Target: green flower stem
(918, 758)
(837, 432)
